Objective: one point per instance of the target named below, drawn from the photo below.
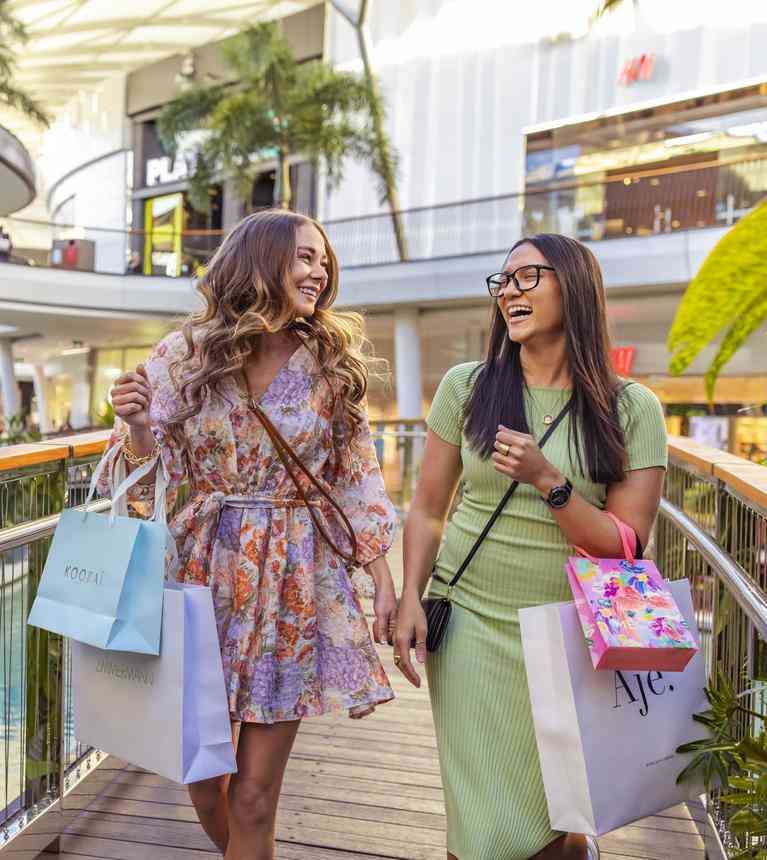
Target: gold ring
(507, 447)
(397, 659)
(422, 642)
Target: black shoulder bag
(438, 609)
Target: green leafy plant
(277, 108)
(737, 761)
(106, 416)
(736, 273)
(13, 34)
(16, 432)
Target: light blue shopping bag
(102, 583)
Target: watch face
(559, 497)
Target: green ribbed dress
(496, 808)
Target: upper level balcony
(652, 229)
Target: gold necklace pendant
(547, 419)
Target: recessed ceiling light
(7, 329)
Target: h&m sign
(641, 68)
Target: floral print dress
(293, 635)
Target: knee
(207, 794)
(252, 804)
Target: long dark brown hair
(244, 293)
(497, 394)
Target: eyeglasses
(525, 278)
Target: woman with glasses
(548, 352)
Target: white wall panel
(458, 103)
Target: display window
(695, 163)
(163, 225)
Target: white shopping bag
(168, 714)
(607, 739)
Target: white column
(407, 363)
(81, 394)
(41, 398)
(77, 368)
(9, 388)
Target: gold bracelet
(134, 459)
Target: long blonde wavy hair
(244, 289)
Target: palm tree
(12, 33)
(728, 293)
(278, 107)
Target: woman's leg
(254, 790)
(210, 803)
(571, 846)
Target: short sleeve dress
(494, 795)
(293, 634)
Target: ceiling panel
(76, 44)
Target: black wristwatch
(558, 497)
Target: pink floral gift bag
(629, 618)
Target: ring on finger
(397, 659)
(504, 448)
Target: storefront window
(697, 163)
(163, 223)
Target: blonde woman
(259, 403)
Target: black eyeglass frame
(513, 276)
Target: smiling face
(536, 313)
(308, 277)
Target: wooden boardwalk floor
(354, 790)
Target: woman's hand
(518, 456)
(384, 607)
(411, 626)
(385, 601)
(132, 397)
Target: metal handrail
(751, 599)
(24, 533)
(535, 191)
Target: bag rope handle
(628, 541)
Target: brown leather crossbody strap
(286, 454)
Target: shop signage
(639, 68)
(161, 170)
(623, 358)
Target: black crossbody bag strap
(504, 501)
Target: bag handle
(119, 483)
(286, 455)
(502, 504)
(628, 541)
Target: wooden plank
(119, 849)
(83, 444)
(30, 454)
(748, 479)
(294, 829)
(366, 792)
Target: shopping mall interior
(654, 151)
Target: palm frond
(735, 272)
(13, 33)
(187, 112)
(606, 6)
(751, 318)
(22, 102)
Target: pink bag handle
(628, 541)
